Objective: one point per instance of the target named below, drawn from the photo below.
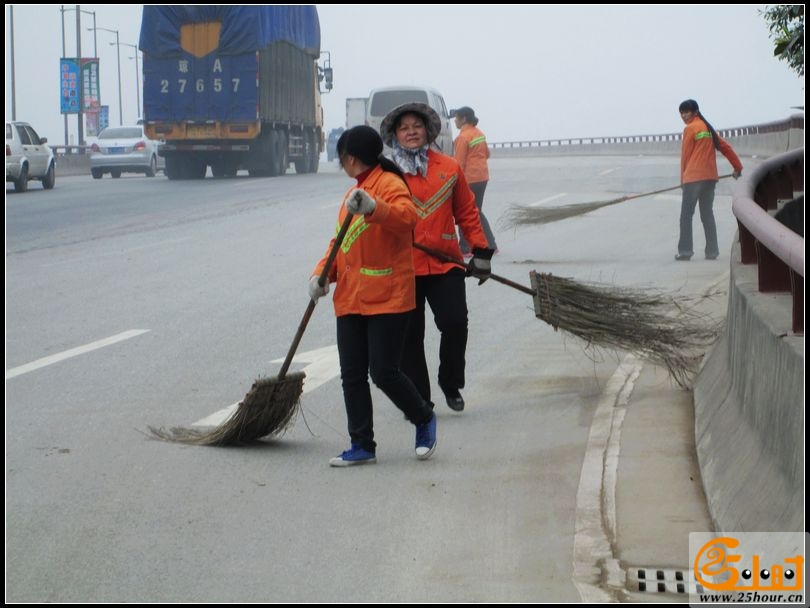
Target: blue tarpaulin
(244, 28)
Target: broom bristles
(659, 327)
(268, 408)
(518, 215)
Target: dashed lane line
(73, 352)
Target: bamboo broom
(640, 321)
(520, 215)
(271, 403)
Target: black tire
(49, 181)
(97, 173)
(172, 170)
(116, 173)
(21, 183)
(150, 172)
(280, 154)
(197, 169)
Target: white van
(383, 100)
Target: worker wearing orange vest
(374, 295)
(442, 200)
(699, 177)
(472, 152)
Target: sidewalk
(659, 491)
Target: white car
(125, 150)
(28, 157)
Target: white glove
(315, 290)
(360, 203)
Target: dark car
(331, 143)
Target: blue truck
(233, 87)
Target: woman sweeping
(699, 177)
(374, 295)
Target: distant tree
(786, 23)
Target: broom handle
(450, 259)
(311, 306)
(678, 187)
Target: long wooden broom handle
(311, 306)
(678, 187)
(451, 260)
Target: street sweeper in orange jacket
(374, 295)
(443, 200)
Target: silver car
(125, 150)
(28, 157)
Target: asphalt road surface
(135, 301)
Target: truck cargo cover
(244, 28)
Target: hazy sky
(530, 73)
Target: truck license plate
(199, 131)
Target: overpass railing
(776, 249)
(60, 150)
(794, 122)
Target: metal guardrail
(794, 122)
(69, 150)
(777, 250)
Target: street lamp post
(118, 49)
(137, 78)
(79, 11)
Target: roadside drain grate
(662, 580)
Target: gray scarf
(413, 162)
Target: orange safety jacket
(472, 153)
(443, 199)
(373, 269)
(698, 155)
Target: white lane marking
(106, 258)
(595, 521)
(323, 366)
(73, 352)
(608, 171)
(548, 199)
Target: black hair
(468, 114)
(365, 144)
(690, 105)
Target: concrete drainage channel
(675, 581)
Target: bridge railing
(61, 150)
(793, 122)
(776, 249)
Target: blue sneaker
(354, 455)
(426, 439)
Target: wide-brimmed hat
(433, 124)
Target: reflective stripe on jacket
(442, 200)
(698, 154)
(472, 153)
(373, 269)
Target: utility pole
(65, 116)
(78, 10)
(13, 90)
(118, 48)
(79, 56)
(137, 79)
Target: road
(137, 301)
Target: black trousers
(373, 345)
(447, 296)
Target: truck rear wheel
(280, 159)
